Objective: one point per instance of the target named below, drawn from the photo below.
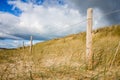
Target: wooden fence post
(31, 44)
(89, 54)
(23, 45)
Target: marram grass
(64, 58)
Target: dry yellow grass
(64, 58)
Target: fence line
(59, 30)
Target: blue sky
(49, 19)
(5, 7)
(11, 41)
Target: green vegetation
(64, 58)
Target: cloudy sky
(48, 19)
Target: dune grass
(64, 58)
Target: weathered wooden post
(89, 54)
(31, 44)
(23, 45)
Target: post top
(90, 9)
(89, 13)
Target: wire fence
(106, 46)
(66, 30)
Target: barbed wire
(82, 21)
(106, 14)
(69, 26)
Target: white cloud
(16, 43)
(40, 20)
(43, 22)
(5, 35)
(99, 19)
(8, 22)
(10, 43)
